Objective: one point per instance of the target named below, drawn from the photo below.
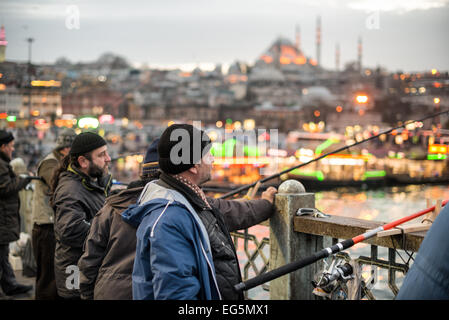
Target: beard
(96, 171)
(205, 176)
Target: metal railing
(256, 261)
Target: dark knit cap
(86, 142)
(5, 137)
(151, 161)
(181, 146)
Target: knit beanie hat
(151, 161)
(5, 137)
(65, 139)
(181, 146)
(86, 142)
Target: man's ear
(83, 162)
(194, 169)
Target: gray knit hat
(65, 139)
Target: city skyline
(398, 35)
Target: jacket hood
(135, 213)
(152, 197)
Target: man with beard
(80, 186)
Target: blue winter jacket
(173, 256)
(428, 278)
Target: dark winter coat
(106, 265)
(76, 200)
(10, 185)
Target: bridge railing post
(287, 246)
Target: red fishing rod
(343, 245)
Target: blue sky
(397, 34)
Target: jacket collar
(102, 185)
(4, 157)
(58, 155)
(192, 196)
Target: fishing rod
(276, 175)
(343, 245)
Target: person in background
(10, 185)
(25, 196)
(43, 237)
(80, 187)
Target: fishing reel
(331, 283)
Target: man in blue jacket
(184, 249)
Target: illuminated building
(10, 101)
(94, 101)
(45, 101)
(283, 61)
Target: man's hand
(269, 194)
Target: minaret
(298, 39)
(3, 44)
(318, 40)
(337, 57)
(359, 54)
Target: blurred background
(274, 83)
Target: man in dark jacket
(43, 218)
(184, 249)
(10, 185)
(80, 187)
(107, 262)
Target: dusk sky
(407, 35)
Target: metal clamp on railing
(311, 212)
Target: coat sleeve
(10, 185)
(71, 227)
(242, 214)
(94, 252)
(173, 258)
